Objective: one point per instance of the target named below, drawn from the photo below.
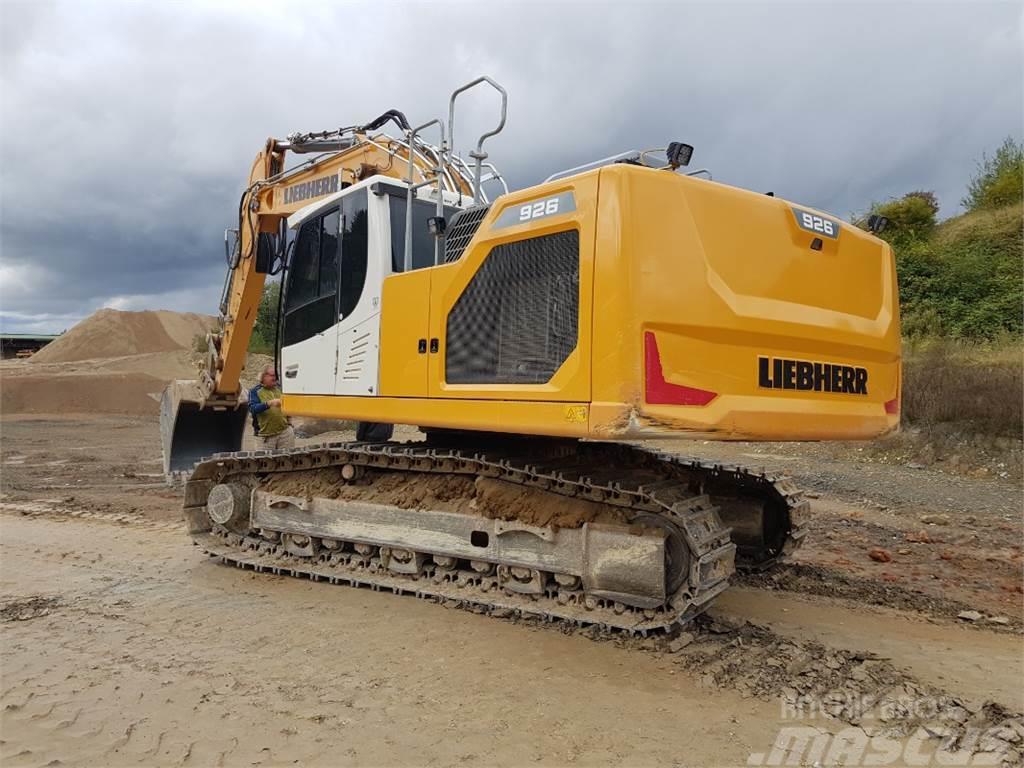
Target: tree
(911, 217)
(999, 180)
(264, 332)
(929, 199)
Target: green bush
(911, 217)
(999, 180)
(260, 345)
(962, 278)
(966, 280)
(264, 332)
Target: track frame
(641, 481)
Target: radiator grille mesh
(516, 322)
(463, 226)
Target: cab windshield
(422, 241)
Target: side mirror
(877, 224)
(437, 225)
(266, 250)
(678, 154)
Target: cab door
(309, 328)
(365, 251)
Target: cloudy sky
(128, 128)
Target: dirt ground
(122, 645)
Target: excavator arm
(208, 415)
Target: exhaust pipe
(192, 429)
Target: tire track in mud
(718, 653)
(795, 577)
(42, 708)
(176, 683)
(58, 507)
(821, 581)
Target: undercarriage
(583, 532)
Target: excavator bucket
(192, 429)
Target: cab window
(354, 251)
(310, 305)
(422, 240)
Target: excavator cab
(368, 205)
(346, 245)
(343, 247)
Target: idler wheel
(228, 505)
(677, 554)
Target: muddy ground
(123, 645)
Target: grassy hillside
(962, 300)
(965, 280)
(962, 278)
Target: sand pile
(111, 362)
(111, 333)
(127, 393)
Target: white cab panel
(359, 333)
(359, 358)
(308, 368)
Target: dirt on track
(456, 493)
(122, 645)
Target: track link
(640, 481)
(747, 494)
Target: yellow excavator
(537, 339)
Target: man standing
(273, 431)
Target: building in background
(23, 344)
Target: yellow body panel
(705, 277)
(722, 276)
(513, 416)
(405, 302)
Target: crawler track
(686, 493)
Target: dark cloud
(129, 127)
